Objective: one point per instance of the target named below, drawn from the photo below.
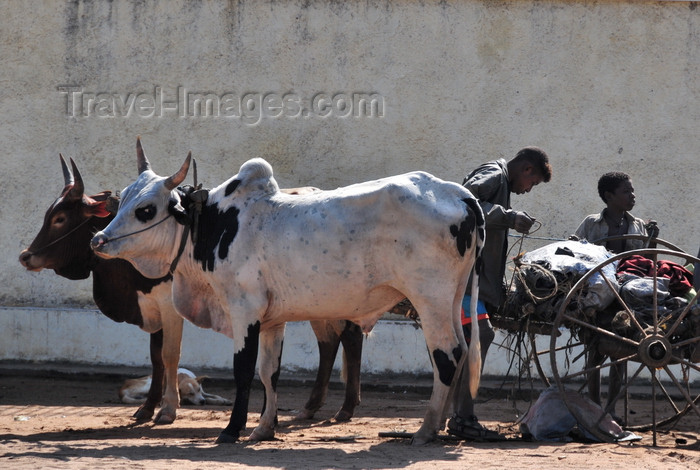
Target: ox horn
(78, 186)
(194, 171)
(67, 175)
(143, 162)
(173, 181)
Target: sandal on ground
(471, 430)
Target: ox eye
(58, 220)
(144, 214)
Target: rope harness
(62, 236)
(138, 231)
(193, 198)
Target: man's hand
(523, 222)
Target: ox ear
(177, 211)
(141, 159)
(173, 181)
(112, 204)
(101, 196)
(96, 206)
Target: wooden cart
(658, 348)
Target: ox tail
(474, 356)
(474, 353)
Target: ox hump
(255, 176)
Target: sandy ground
(59, 422)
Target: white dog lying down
(190, 386)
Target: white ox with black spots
(258, 258)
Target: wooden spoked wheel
(658, 349)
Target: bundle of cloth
(636, 275)
(674, 291)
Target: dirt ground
(59, 422)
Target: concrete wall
(604, 85)
(394, 348)
(85, 336)
(88, 337)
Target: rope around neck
(137, 231)
(62, 236)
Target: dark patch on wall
(93, 57)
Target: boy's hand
(523, 222)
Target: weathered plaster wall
(601, 85)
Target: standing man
(492, 183)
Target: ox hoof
(343, 416)
(226, 438)
(261, 434)
(421, 439)
(304, 415)
(143, 414)
(164, 418)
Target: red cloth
(680, 279)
